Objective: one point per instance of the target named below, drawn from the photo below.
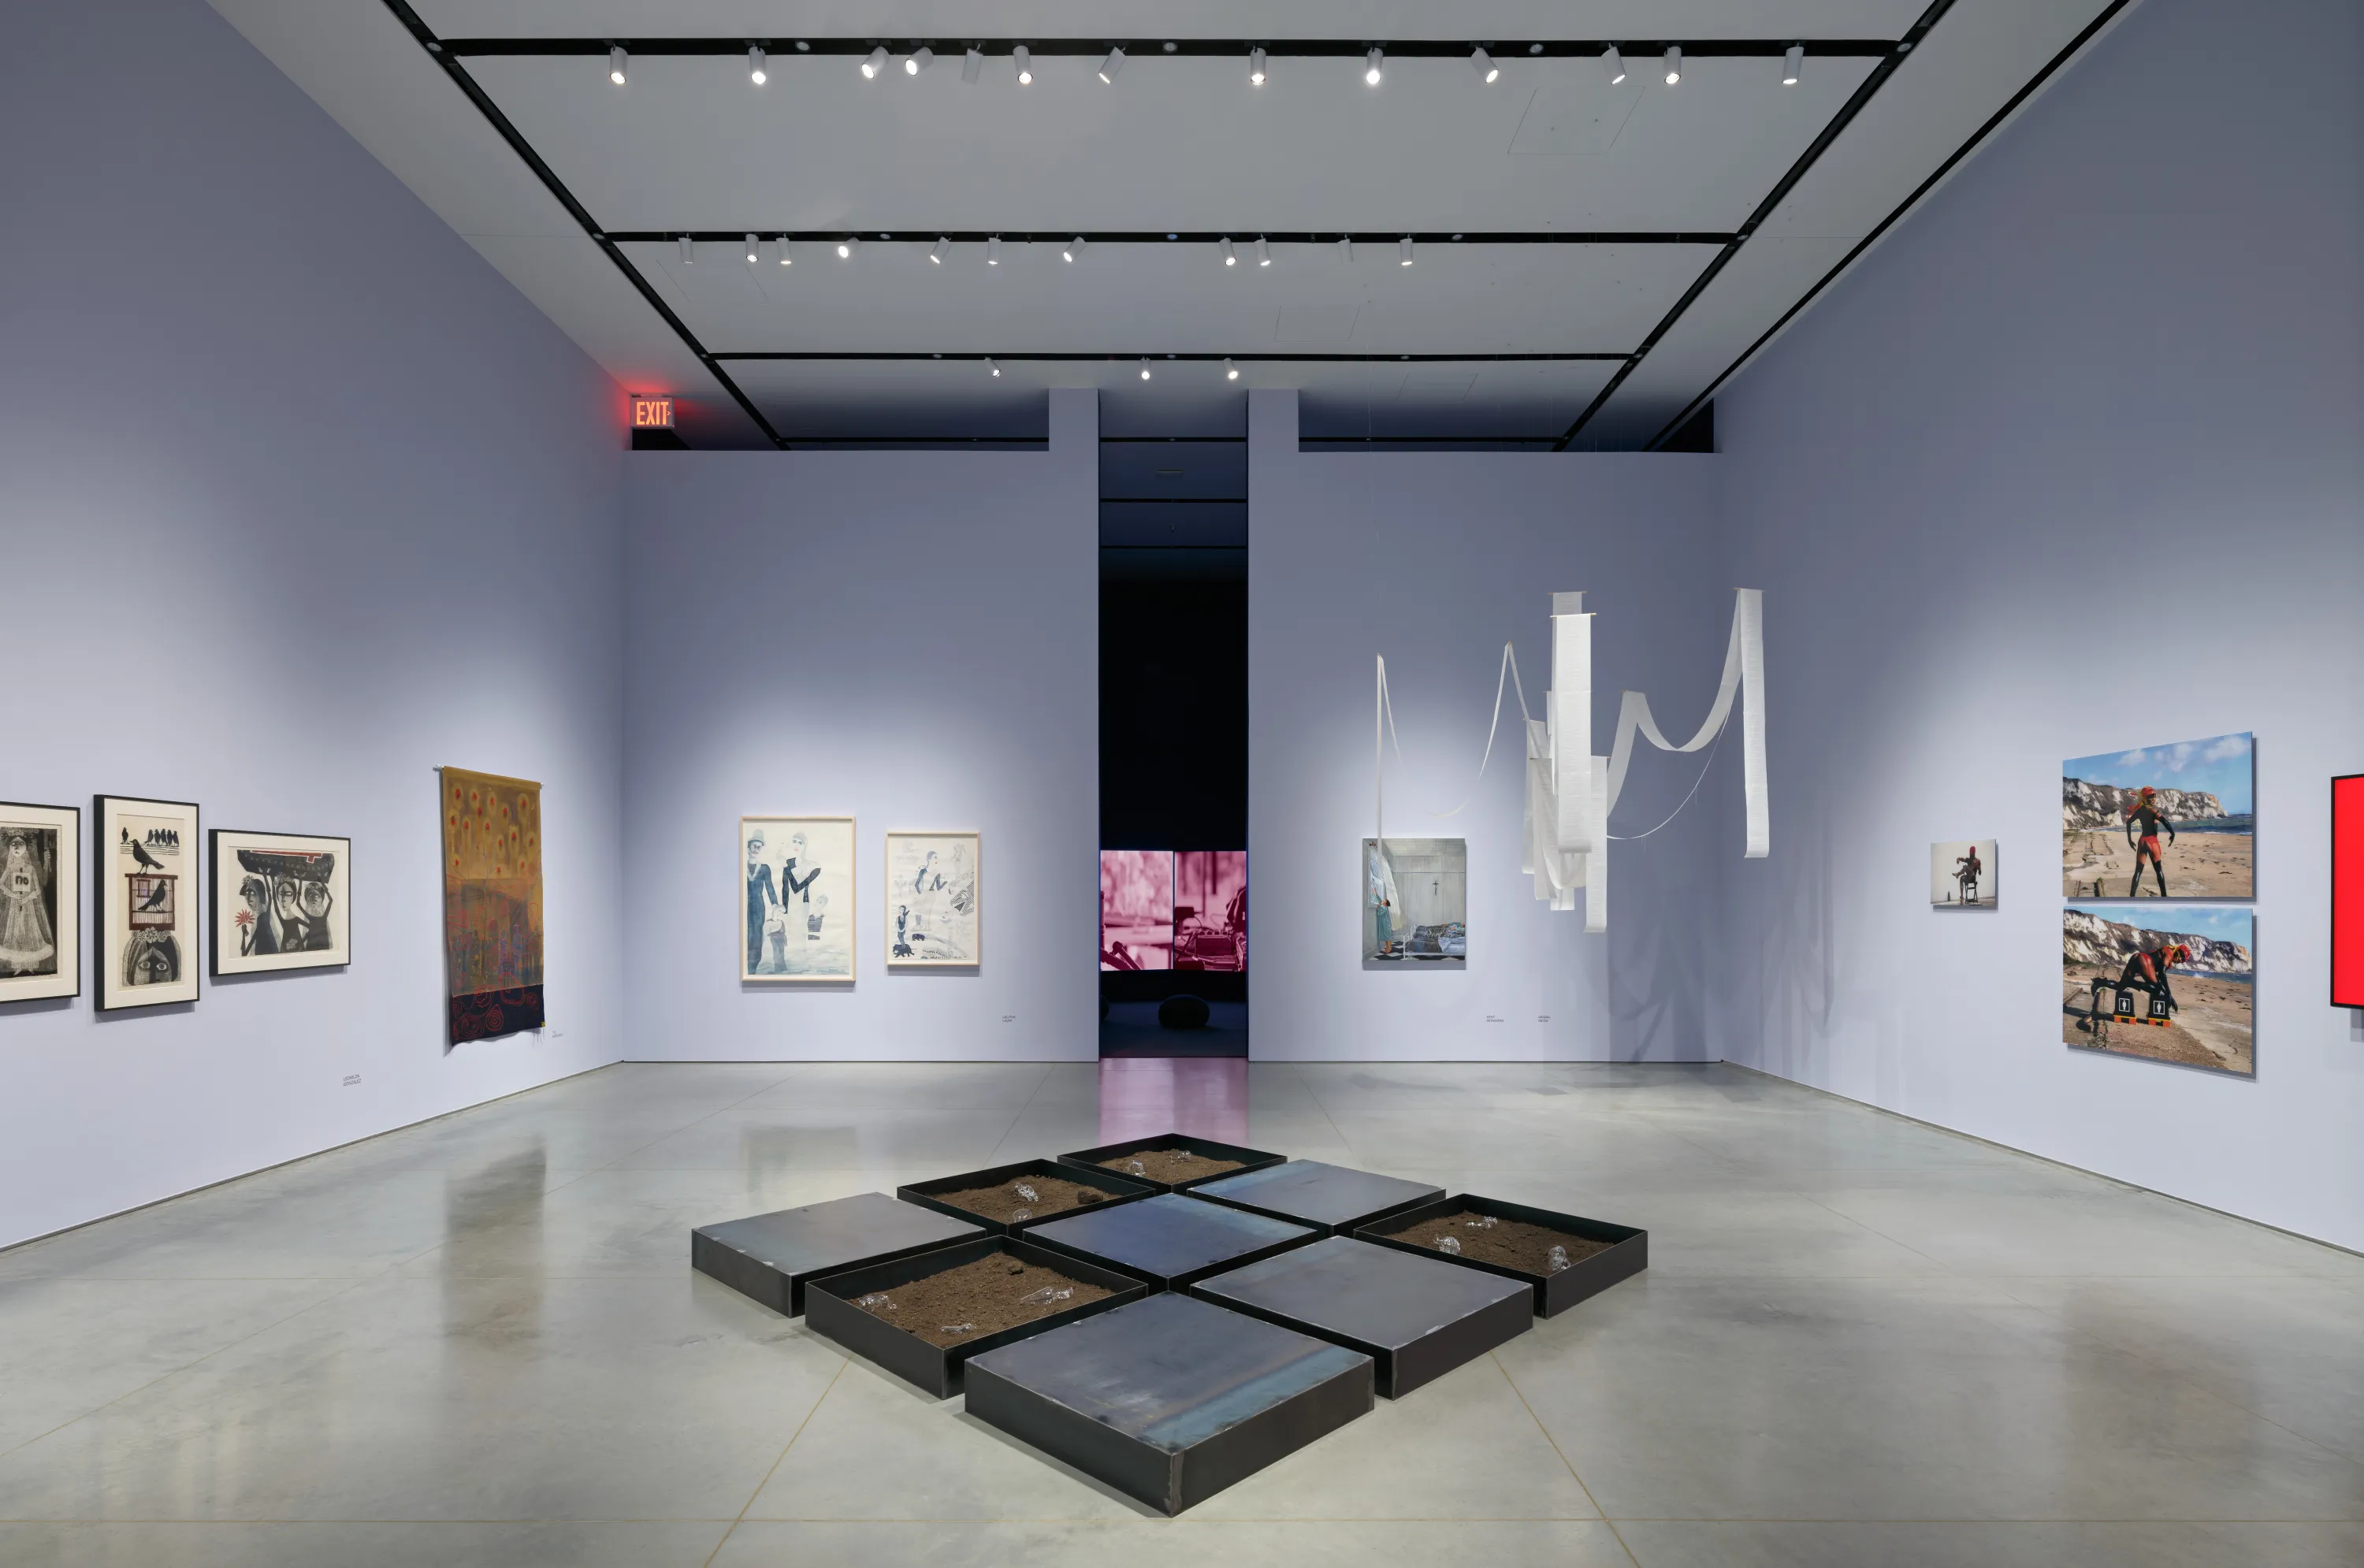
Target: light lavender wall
(1435, 559)
(2070, 463)
(298, 499)
(910, 639)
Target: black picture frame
(69, 856)
(101, 949)
(344, 847)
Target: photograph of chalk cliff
(2172, 821)
(2178, 986)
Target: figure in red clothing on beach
(1966, 869)
(2146, 970)
(2146, 816)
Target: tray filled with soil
(1514, 1240)
(922, 1317)
(1008, 1198)
(1172, 1161)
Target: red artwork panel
(2347, 891)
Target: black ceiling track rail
(949, 48)
(1242, 236)
(972, 356)
(1863, 94)
(1976, 138)
(557, 188)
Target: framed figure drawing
(145, 866)
(798, 880)
(933, 917)
(492, 905)
(40, 902)
(281, 901)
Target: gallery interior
(1392, 682)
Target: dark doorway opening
(1174, 745)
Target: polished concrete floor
(1860, 1341)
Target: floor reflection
(492, 1231)
(1205, 1096)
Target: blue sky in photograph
(2220, 766)
(2153, 914)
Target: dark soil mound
(1052, 1195)
(1512, 1244)
(1167, 1165)
(976, 1299)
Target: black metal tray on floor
(1417, 1317)
(1118, 1189)
(1628, 1252)
(1249, 1159)
(769, 1256)
(1170, 1238)
(829, 1310)
(1333, 1199)
(1169, 1400)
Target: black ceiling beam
(1862, 96)
(1160, 237)
(565, 199)
(978, 357)
(1507, 51)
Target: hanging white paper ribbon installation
(1564, 833)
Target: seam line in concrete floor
(777, 1460)
(1572, 1472)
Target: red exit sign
(652, 413)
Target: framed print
(2174, 821)
(798, 877)
(933, 917)
(492, 905)
(146, 932)
(40, 902)
(2167, 984)
(281, 901)
(1962, 874)
(1415, 900)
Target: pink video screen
(1168, 909)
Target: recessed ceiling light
(1264, 251)
(1792, 63)
(971, 64)
(803, 48)
(755, 72)
(755, 250)
(1483, 63)
(688, 251)
(1255, 66)
(1231, 371)
(993, 250)
(1231, 258)
(1169, 47)
(618, 61)
(848, 246)
(1072, 248)
(1113, 64)
(936, 251)
(1371, 64)
(1025, 57)
(1614, 63)
(875, 63)
(1534, 48)
(918, 61)
(1144, 367)
(1403, 251)
(1674, 63)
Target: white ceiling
(1179, 144)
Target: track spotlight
(688, 251)
(993, 250)
(1264, 251)
(875, 63)
(1230, 258)
(1615, 64)
(1144, 367)
(755, 72)
(1674, 63)
(1347, 248)
(992, 367)
(1113, 64)
(755, 250)
(971, 64)
(1403, 251)
(1025, 60)
(1231, 371)
(936, 251)
(1792, 63)
(784, 251)
(1483, 63)
(1255, 66)
(1072, 248)
(1371, 63)
(617, 60)
(848, 246)
(918, 60)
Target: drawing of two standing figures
(778, 911)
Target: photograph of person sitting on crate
(2184, 995)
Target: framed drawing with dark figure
(145, 866)
(933, 919)
(1962, 874)
(40, 902)
(281, 901)
(797, 874)
(492, 905)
